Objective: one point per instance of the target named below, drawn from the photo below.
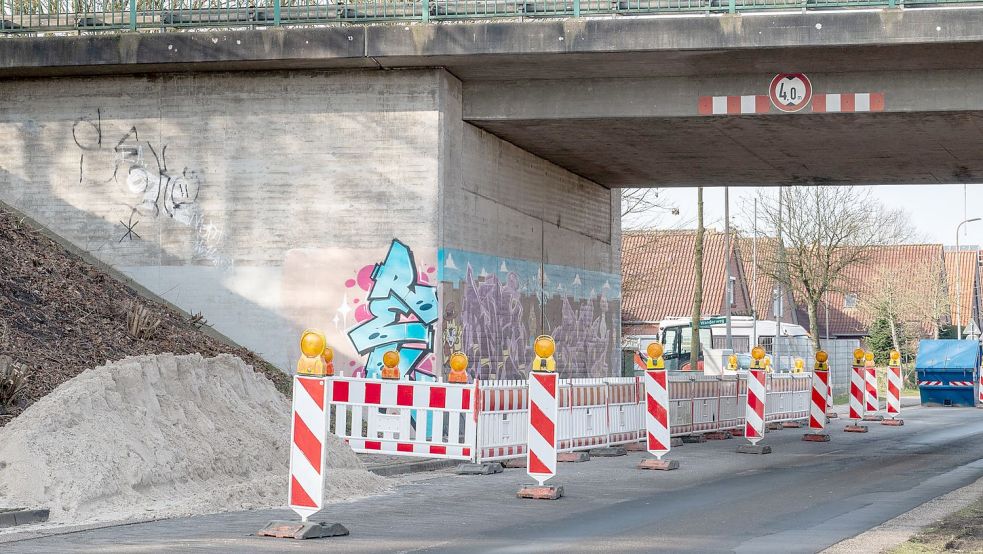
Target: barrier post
(894, 386)
(308, 430)
(817, 411)
(658, 441)
(871, 397)
(754, 413)
(542, 431)
(458, 363)
(799, 367)
(830, 409)
(857, 393)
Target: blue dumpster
(947, 372)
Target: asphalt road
(802, 498)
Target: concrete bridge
(261, 176)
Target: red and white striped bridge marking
(857, 393)
(849, 102)
(543, 411)
(307, 446)
(870, 390)
(658, 440)
(894, 390)
(754, 415)
(817, 412)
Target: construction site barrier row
(487, 420)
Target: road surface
(802, 498)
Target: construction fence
(487, 420)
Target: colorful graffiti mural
(494, 316)
(402, 311)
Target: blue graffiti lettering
(404, 312)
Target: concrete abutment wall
(354, 201)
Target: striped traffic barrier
(307, 450)
(817, 411)
(754, 413)
(871, 400)
(980, 390)
(541, 435)
(894, 386)
(857, 394)
(658, 440)
(830, 409)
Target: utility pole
(728, 284)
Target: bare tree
(694, 355)
(642, 208)
(825, 230)
(914, 297)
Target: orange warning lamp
(757, 354)
(459, 365)
(328, 357)
(544, 347)
(732, 362)
(858, 356)
(799, 365)
(869, 359)
(312, 344)
(821, 358)
(655, 351)
(390, 363)
(895, 357)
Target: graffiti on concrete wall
(399, 313)
(494, 308)
(153, 190)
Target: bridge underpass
(489, 150)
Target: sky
(935, 210)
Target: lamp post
(959, 328)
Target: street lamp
(959, 328)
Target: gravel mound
(161, 436)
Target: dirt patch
(59, 315)
(958, 532)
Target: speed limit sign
(790, 92)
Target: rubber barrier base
(791, 425)
(893, 422)
(515, 463)
(855, 428)
(816, 437)
(573, 457)
(544, 492)
(608, 452)
(832, 415)
(873, 417)
(662, 465)
(719, 436)
(635, 447)
(774, 426)
(694, 439)
(754, 449)
(302, 530)
(486, 468)
(675, 442)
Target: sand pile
(159, 436)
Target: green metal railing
(34, 16)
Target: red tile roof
(762, 290)
(968, 275)
(659, 275)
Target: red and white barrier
(817, 412)
(754, 415)
(582, 418)
(307, 450)
(410, 418)
(980, 390)
(870, 391)
(894, 390)
(658, 440)
(541, 434)
(857, 393)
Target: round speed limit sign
(790, 92)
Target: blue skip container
(947, 372)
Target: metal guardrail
(38, 16)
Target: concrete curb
(895, 531)
(402, 468)
(10, 518)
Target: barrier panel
(410, 418)
(487, 421)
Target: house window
(850, 300)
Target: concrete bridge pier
(356, 201)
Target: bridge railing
(33, 16)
